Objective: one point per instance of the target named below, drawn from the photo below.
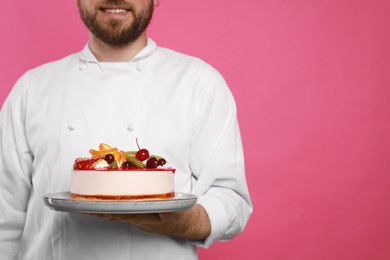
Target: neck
(105, 52)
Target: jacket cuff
(218, 220)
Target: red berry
(109, 158)
(151, 162)
(142, 154)
(85, 164)
(161, 162)
(126, 165)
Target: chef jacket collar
(151, 46)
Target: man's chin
(112, 33)
(113, 24)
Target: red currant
(161, 162)
(126, 165)
(109, 158)
(151, 162)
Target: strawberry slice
(85, 163)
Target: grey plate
(61, 201)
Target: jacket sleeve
(217, 161)
(15, 170)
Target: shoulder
(51, 68)
(206, 83)
(39, 76)
(188, 66)
(172, 56)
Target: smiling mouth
(115, 10)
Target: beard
(116, 32)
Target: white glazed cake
(116, 175)
(122, 185)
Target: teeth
(115, 11)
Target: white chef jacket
(176, 105)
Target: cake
(110, 174)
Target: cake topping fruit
(90, 164)
(161, 162)
(127, 165)
(142, 154)
(152, 162)
(105, 149)
(131, 158)
(111, 158)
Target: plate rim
(56, 201)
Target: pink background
(312, 84)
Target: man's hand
(192, 224)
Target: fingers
(166, 216)
(139, 220)
(106, 216)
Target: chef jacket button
(130, 127)
(83, 67)
(71, 128)
(139, 67)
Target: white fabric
(177, 106)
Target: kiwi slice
(130, 157)
(114, 165)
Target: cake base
(165, 196)
(122, 185)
